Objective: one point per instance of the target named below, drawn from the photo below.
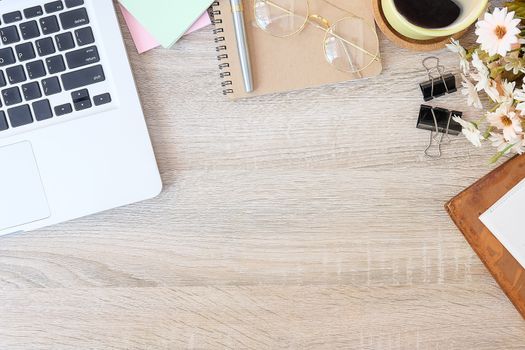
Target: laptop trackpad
(22, 196)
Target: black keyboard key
(74, 3)
(11, 96)
(84, 36)
(45, 47)
(63, 109)
(83, 77)
(51, 86)
(7, 57)
(12, 17)
(54, 6)
(74, 18)
(20, 116)
(3, 122)
(81, 99)
(102, 99)
(36, 69)
(2, 79)
(16, 74)
(25, 51)
(55, 64)
(29, 30)
(31, 91)
(65, 41)
(82, 57)
(80, 95)
(80, 106)
(42, 110)
(33, 12)
(9, 35)
(49, 25)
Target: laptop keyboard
(48, 61)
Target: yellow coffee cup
(471, 10)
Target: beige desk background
(308, 220)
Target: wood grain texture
(305, 220)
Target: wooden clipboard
(465, 210)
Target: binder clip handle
(440, 123)
(439, 83)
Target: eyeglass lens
(281, 18)
(350, 44)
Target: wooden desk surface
(307, 220)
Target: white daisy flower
(497, 32)
(519, 95)
(519, 144)
(507, 121)
(516, 146)
(456, 47)
(508, 89)
(470, 130)
(492, 91)
(514, 63)
(478, 63)
(502, 92)
(471, 92)
(499, 142)
(483, 74)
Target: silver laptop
(73, 140)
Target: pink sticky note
(202, 22)
(144, 41)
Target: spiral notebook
(283, 64)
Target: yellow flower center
(500, 32)
(506, 121)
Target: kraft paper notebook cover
(465, 210)
(283, 64)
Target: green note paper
(166, 20)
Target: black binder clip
(439, 83)
(440, 123)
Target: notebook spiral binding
(222, 56)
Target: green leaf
(518, 6)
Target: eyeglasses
(350, 44)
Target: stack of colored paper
(163, 22)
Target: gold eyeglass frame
(323, 24)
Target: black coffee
(430, 14)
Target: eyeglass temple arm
(375, 57)
(351, 61)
